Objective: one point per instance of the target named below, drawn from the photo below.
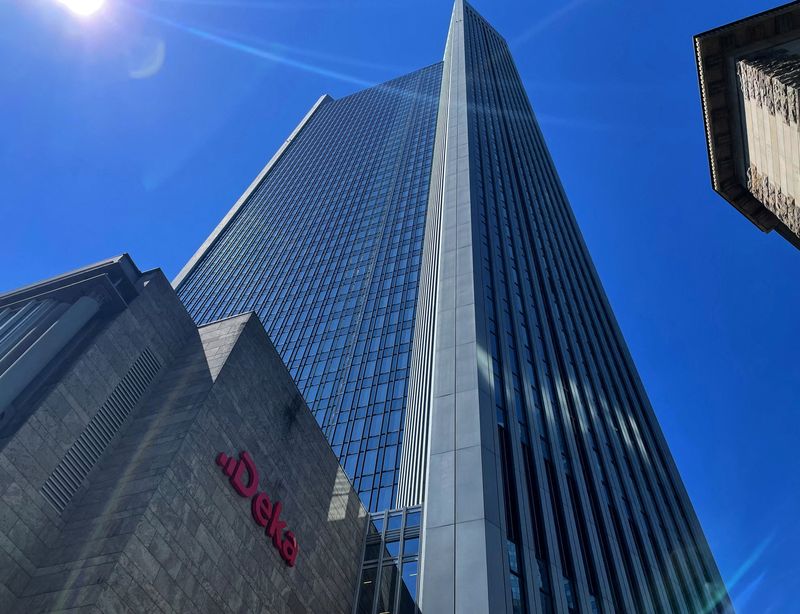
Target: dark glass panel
(366, 594)
(388, 590)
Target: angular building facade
(149, 465)
(412, 254)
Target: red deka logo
(265, 512)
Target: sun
(83, 7)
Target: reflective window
(395, 522)
(393, 547)
(396, 576)
(408, 588)
(411, 546)
(327, 251)
(388, 590)
(367, 594)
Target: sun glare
(83, 7)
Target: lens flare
(84, 8)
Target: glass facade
(327, 251)
(592, 514)
(431, 203)
(391, 563)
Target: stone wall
(198, 545)
(157, 525)
(29, 526)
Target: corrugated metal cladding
(327, 251)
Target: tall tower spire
(546, 482)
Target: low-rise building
(149, 465)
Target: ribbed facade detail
(78, 461)
(561, 478)
(413, 462)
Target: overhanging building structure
(412, 254)
(749, 74)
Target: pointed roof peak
(461, 8)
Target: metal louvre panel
(68, 476)
(413, 460)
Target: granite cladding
(156, 527)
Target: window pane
(372, 551)
(367, 592)
(411, 546)
(516, 595)
(413, 519)
(388, 589)
(408, 589)
(511, 547)
(393, 547)
(395, 521)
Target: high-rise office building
(326, 247)
(412, 254)
(749, 74)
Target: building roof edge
(212, 238)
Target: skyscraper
(413, 256)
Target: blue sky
(137, 129)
